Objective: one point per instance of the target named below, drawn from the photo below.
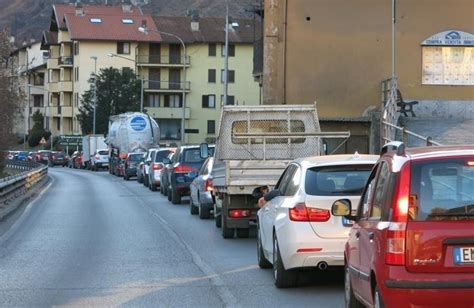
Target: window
(38, 101)
(76, 74)
(76, 99)
(380, 192)
(38, 79)
(127, 21)
(154, 101)
(285, 180)
(208, 101)
(172, 101)
(230, 100)
(294, 183)
(231, 50)
(95, 20)
(367, 195)
(211, 76)
(123, 48)
(231, 75)
(58, 124)
(212, 50)
(448, 65)
(211, 127)
(76, 48)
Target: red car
(412, 242)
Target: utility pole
(226, 50)
(394, 20)
(95, 93)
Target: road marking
(223, 292)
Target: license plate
(463, 255)
(346, 222)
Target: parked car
(79, 161)
(165, 174)
(146, 166)
(186, 160)
(141, 168)
(100, 159)
(72, 158)
(412, 240)
(11, 154)
(43, 156)
(200, 200)
(58, 159)
(295, 229)
(21, 156)
(130, 165)
(156, 165)
(32, 156)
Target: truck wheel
(243, 233)
(175, 197)
(283, 278)
(226, 232)
(204, 211)
(262, 261)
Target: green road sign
(70, 140)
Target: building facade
(338, 53)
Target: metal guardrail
(16, 185)
(405, 133)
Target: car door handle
(371, 236)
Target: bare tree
(9, 94)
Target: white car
(100, 159)
(295, 228)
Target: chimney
(194, 20)
(79, 8)
(126, 6)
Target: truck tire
(175, 197)
(283, 278)
(243, 233)
(226, 232)
(204, 211)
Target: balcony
(53, 63)
(65, 86)
(162, 61)
(166, 86)
(168, 113)
(53, 87)
(66, 61)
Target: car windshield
(103, 152)
(134, 157)
(160, 155)
(345, 180)
(442, 189)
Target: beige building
(85, 38)
(338, 52)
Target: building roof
(49, 38)
(211, 29)
(104, 22)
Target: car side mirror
(166, 161)
(204, 150)
(341, 207)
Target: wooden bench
(405, 107)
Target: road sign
(43, 141)
(70, 140)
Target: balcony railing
(167, 86)
(66, 60)
(165, 60)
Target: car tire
(262, 261)
(204, 211)
(349, 297)
(193, 209)
(125, 177)
(139, 179)
(378, 301)
(162, 190)
(283, 278)
(243, 233)
(175, 197)
(169, 196)
(151, 186)
(226, 232)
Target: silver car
(201, 201)
(156, 166)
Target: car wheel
(226, 232)
(152, 186)
(125, 177)
(193, 209)
(262, 261)
(283, 278)
(139, 179)
(162, 190)
(204, 211)
(378, 301)
(175, 197)
(243, 233)
(349, 297)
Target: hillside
(28, 18)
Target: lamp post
(394, 20)
(112, 55)
(95, 93)
(145, 30)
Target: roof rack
(397, 146)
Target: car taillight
(239, 213)
(208, 185)
(54, 157)
(302, 213)
(183, 169)
(395, 250)
(157, 166)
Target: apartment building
(83, 39)
(30, 67)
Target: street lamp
(95, 92)
(112, 55)
(145, 30)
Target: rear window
(346, 180)
(442, 189)
(104, 152)
(160, 155)
(135, 157)
(194, 155)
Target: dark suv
(185, 164)
(412, 242)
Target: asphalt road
(94, 239)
